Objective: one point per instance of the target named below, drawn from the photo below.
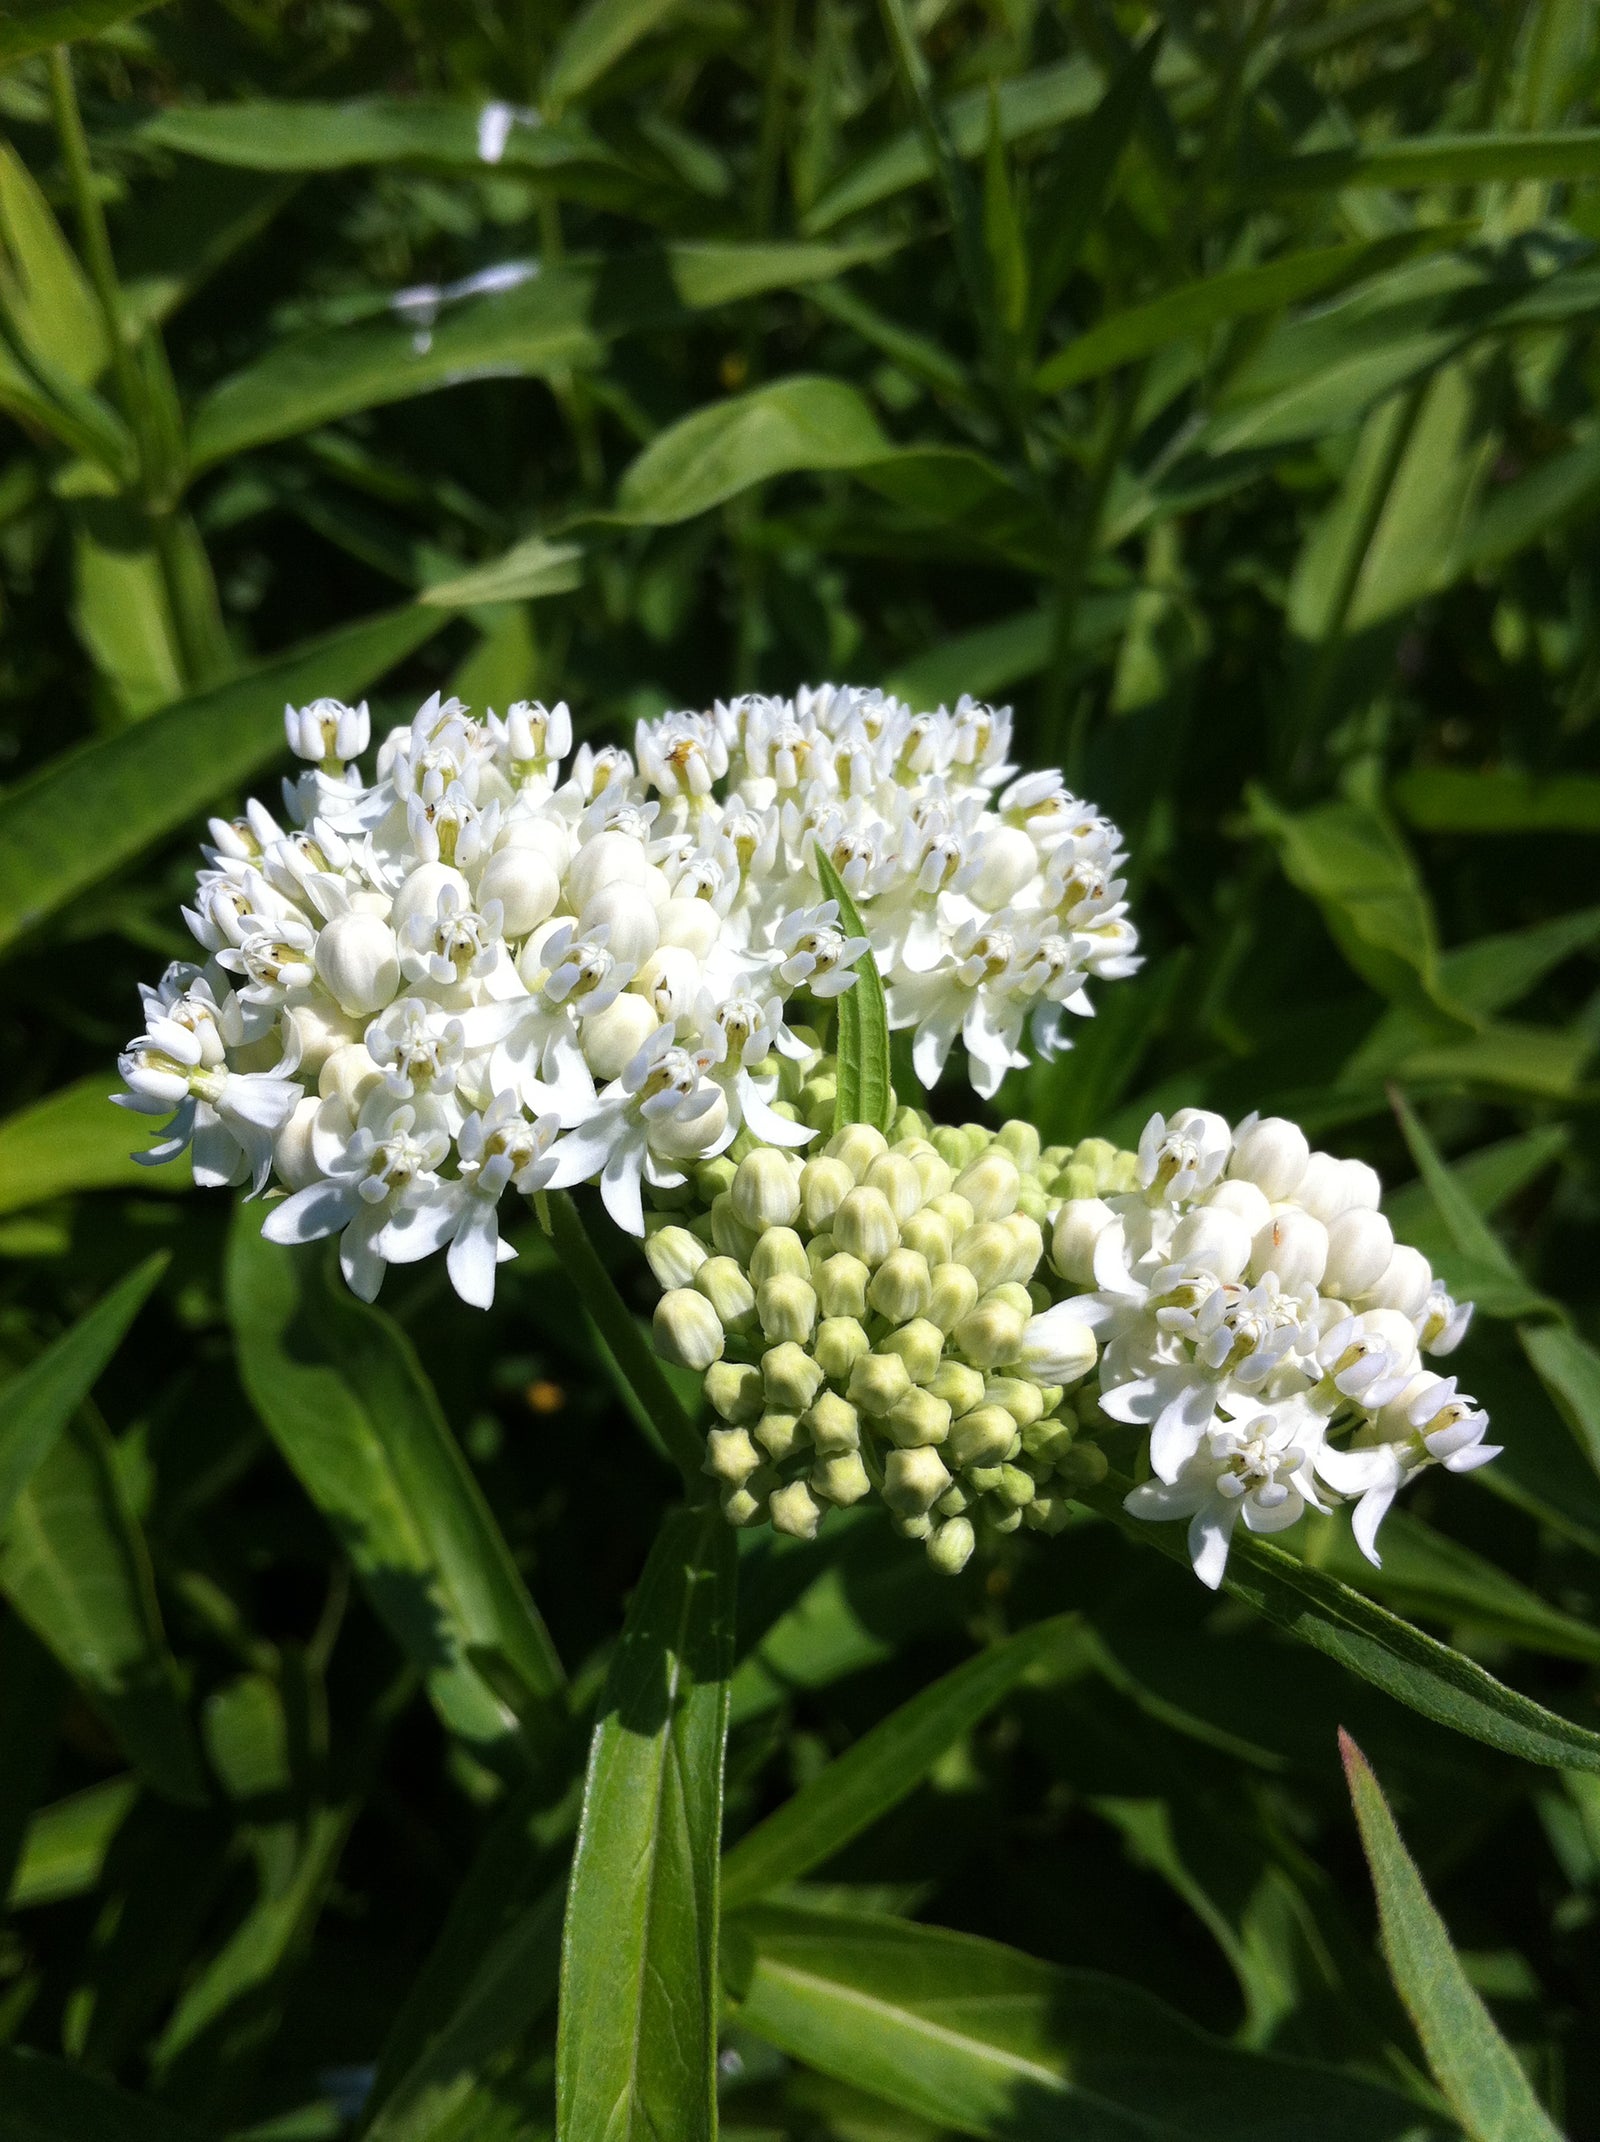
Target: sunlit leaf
(866, 1094)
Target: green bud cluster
(858, 1317)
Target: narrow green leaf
(1470, 2061)
(1569, 1369)
(36, 1406)
(637, 2041)
(1447, 799)
(597, 36)
(1441, 160)
(76, 1140)
(865, 1093)
(50, 2100)
(44, 293)
(1468, 1229)
(347, 1404)
(1518, 514)
(1492, 972)
(886, 1764)
(799, 423)
(289, 135)
(1377, 1646)
(85, 814)
(973, 2036)
(533, 567)
(1084, 169)
(66, 1843)
(1489, 1177)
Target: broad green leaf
(76, 1140)
(75, 1567)
(886, 1764)
(346, 1402)
(1377, 1646)
(85, 814)
(1028, 104)
(597, 36)
(637, 2041)
(44, 293)
(533, 567)
(1569, 1369)
(1470, 2061)
(66, 1843)
(50, 2100)
(120, 609)
(1441, 160)
(795, 424)
(990, 2042)
(1447, 799)
(1492, 972)
(36, 1405)
(865, 1093)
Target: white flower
(499, 1150)
(662, 1109)
(328, 732)
(1258, 1467)
(380, 1190)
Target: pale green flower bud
(1124, 1175)
(954, 1295)
(838, 1346)
(795, 1510)
(1078, 1227)
(841, 1479)
(991, 1335)
(1022, 1400)
(865, 1226)
(1100, 1157)
(1021, 1141)
(948, 1143)
(787, 1308)
(779, 1254)
(985, 1436)
(673, 1255)
(1057, 1347)
(841, 1286)
(1084, 1465)
(960, 1387)
(790, 1377)
(766, 1189)
(835, 1425)
(983, 1479)
(1016, 1486)
(741, 1506)
(918, 1418)
(1034, 1203)
(819, 1098)
(734, 1389)
(990, 1185)
(1048, 1513)
(687, 1329)
(989, 1252)
(819, 1249)
(1049, 1440)
(1028, 1239)
(725, 1287)
(920, 1345)
(954, 1211)
(913, 1480)
(935, 1174)
(778, 1434)
(876, 1381)
(1076, 1183)
(950, 1546)
(731, 1456)
(954, 1502)
(823, 1183)
(858, 1145)
(1024, 1300)
(901, 1287)
(928, 1233)
(713, 1177)
(895, 1176)
(909, 1123)
(913, 1528)
(728, 1232)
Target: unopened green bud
(1124, 1175)
(901, 1287)
(823, 1182)
(819, 1249)
(835, 1424)
(983, 1479)
(935, 1173)
(1033, 1201)
(1099, 1155)
(728, 1232)
(673, 1255)
(990, 1335)
(990, 1185)
(1021, 1141)
(919, 1527)
(1022, 1400)
(778, 1433)
(985, 1436)
(766, 1189)
(787, 1308)
(780, 1253)
(1015, 1297)
(1001, 1517)
(742, 1505)
(730, 1455)
(819, 1098)
(1075, 1183)
(1048, 1513)
(795, 1510)
(790, 1377)
(928, 1233)
(713, 1177)
(838, 1346)
(734, 1388)
(895, 1176)
(913, 1480)
(954, 1295)
(842, 1479)
(858, 1145)
(954, 1502)
(842, 1286)
(908, 1123)
(876, 1381)
(1028, 1246)
(960, 1387)
(950, 1546)
(865, 1226)
(687, 1329)
(954, 1211)
(948, 1143)
(1016, 1486)
(723, 1284)
(1084, 1465)
(989, 1252)
(1038, 1296)
(918, 1418)
(920, 1345)
(1049, 1440)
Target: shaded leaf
(66, 1843)
(76, 1140)
(1441, 160)
(1449, 799)
(865, 1093)
(53, 2101)
(533, 567)
(597, 36)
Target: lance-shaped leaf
(50, 2100)
(636, 2049)
(865, 1093)
(76, 1140)
(1441, 160)
(1472, 2064)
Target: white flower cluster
(484, 969)
(1257, 1316)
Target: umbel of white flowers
(502, 964)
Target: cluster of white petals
(1257, 1317)
(502, 964)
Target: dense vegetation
(1213, 383)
